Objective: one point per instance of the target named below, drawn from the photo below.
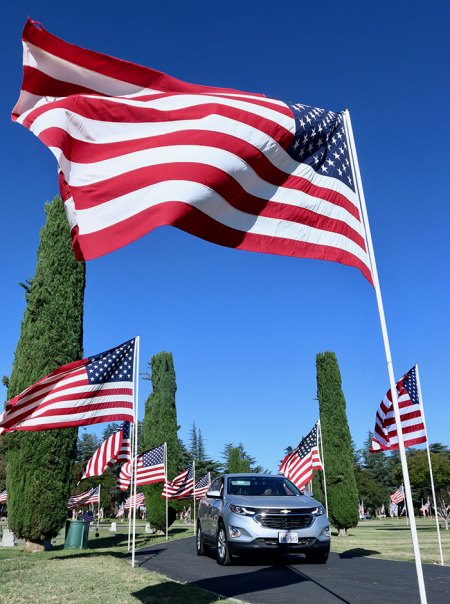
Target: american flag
(150, 466)
(138, 149)
(88, 516)
(94, 390)
(133, 502)
(202, 486)
(85, 498)
(299, 465)
(120, 511)
(3, 496)
(124, 453)
(181, 486)
(385, 437)
(112, 451)
(398, 496)
(124, 478)
(150, 469)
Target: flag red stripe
(227, 187)
(97, 193)
(188, 218)
(110, 66)
(109, 111)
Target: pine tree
(337, 445)
(160, 425)
(39, 464)
(193, 444)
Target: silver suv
(245, 512)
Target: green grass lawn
(101, 573)
(97, 574)
(390, 539)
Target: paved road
(346, 578)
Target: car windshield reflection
(261, 487)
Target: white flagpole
(323, 467)
(387, 349)
(98, 509)
(136, 427)
(131, 491)
(419, 390)
(167, 494)
(193, 469)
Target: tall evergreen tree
(160, 425)
(193, 442)
(39, 464)
(337, 445)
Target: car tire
(223, 555)
(199, 543)
(317, 556)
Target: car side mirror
(214, 494)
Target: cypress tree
(160, 425)
(337, 445)
(39, 464)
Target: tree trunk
(342, 532)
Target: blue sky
(244, 328)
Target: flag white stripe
(81, 175)
(74, 402)
(88, 130)
(66, 71)
(213, 205)
(38, 421)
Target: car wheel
(317, 556)
(199, 541)
(223, 549)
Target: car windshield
(261, 486)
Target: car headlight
(241, 510)
(318, 511)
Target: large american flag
(115, 449)
(398, 496)
(181, 486)
(4, 496)
(150, 469)
(385, 437)
(300, 464)
(96, 389)
(85, 498)
(138, 149)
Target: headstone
(8, 538)
(113, 527)
(148, 528)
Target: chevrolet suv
(261, 512)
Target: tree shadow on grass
(358, 552)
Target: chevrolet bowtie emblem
(285, 511)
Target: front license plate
(287, 537)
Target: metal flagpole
(167, 494)
(136, 426)
(323, 468)
(131, 491)
(419, 390)
(193, 469)
(98, 509)
(387, 349)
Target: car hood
(295, 502)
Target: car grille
(301, 542)
(284, 521)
